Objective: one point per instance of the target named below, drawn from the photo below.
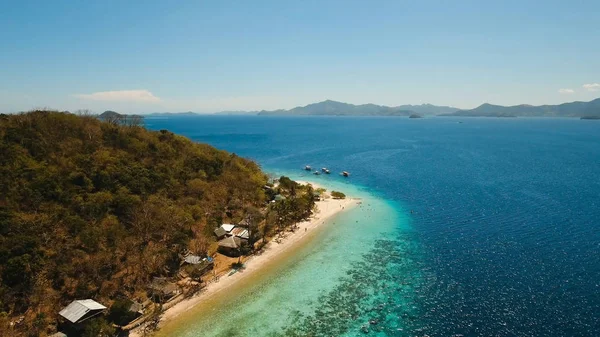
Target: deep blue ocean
(504, 217)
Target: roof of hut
(79, 309)
(227, 227)
(219, 232)
(240, 232)
(163, 285)
(230, 242)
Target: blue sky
(145, 56)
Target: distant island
(573, 109)
(415, 116)
(331, 108)
(113, 117)
(334, 108)
(591, 117)
(589, 110)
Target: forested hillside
(91, 209)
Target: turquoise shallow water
(503, 239)
(322, 288)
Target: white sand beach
(326, 208)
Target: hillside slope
(90, 209)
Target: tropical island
(572, 109)
(104, 224)
(584, 110)
(334, 108)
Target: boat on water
(325, 170)
(345, 174)
(316, 173)
(308, 168)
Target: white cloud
(141, 96)
(229, 103)
(566, 91)
(592, 87)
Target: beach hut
(316, 195)
(162, 290)
(227, 227)
(136, 308)
(81, 310)
(124, 311)
(223, 230)
(241, 233)
(220, 233)
(230, 246)
(199, 264)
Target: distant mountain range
(573, 109)
(333, 108)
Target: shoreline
(273, 250)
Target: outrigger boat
(316, 173)
(345, 174)
(325, 170)
(308, 168)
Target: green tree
(98, 327)
(337, 195)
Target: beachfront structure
(220, 233)
(80, 310)
(224, 230)
(202, 265)
(227, 227)
(241, 233)
(317, 195)
(279, 197)
(230, 246)
(162, 290)
(136, 308)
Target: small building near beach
(220, 233)
(223, 230)
(199, 264)
(316, 195)
(136, 308)
(230, 246)
(227, 227)
(162, 290)
(81, 310)
(241, 233)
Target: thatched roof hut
(163, 289)
(230, 246)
